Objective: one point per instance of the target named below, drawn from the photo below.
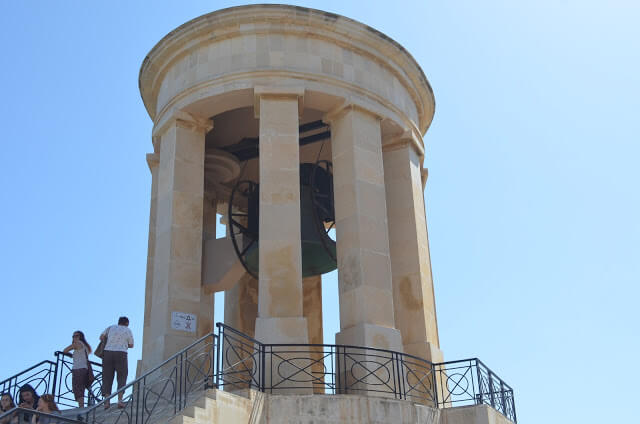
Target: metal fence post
(218, 352)
(434, 384)
(502, 400)
(398, 391)
(480, 397)
(263, 374)
(493, 401)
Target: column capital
(275, 92)
(153, 160)
(338, 111)
(424, 174)
(183, 119)
(407, 138)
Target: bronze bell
(317, 216)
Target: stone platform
(261, 408)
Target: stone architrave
(413, 298)
(178, 235)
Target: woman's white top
(79, 358)
(119, 337)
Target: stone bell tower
(290, 123)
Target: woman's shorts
(79, 381)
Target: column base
(419, 380)
(425, 350)
(288, 369)
(289, 330)
(370, 335)
(365, 371)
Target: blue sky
(532, 199)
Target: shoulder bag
(100, 349)
(90, 377)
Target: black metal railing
(471, 382)
(165, 390)
(322, 368)
(53, 377)
(233, 361)
(29, 416)
(244, 362)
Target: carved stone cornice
(290, 21)
(339, 111)
(185, 120)
(153, 160)
(408, 138)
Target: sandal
(122, 405)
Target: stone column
(209, 222)
(178, 249)
(312, 310)
(414, 303)
(152, 161)
(364, 268)
(280, 310)
(241, 305)
(240, 311)
(280, 317)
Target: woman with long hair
(6, 404)
(46, 405)
(27, 399)
(80, 370)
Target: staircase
(216, 406)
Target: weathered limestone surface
(207, 299)
(280, 275)
(241, 305)
(312, 307)
(345, 409)
(217, 406)
(270, 57)
(211, 64)
(413, 297)
(280, 301)
(312, 311)
(475, 414)
(178, 236)
(364, 268)
(153, 161)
